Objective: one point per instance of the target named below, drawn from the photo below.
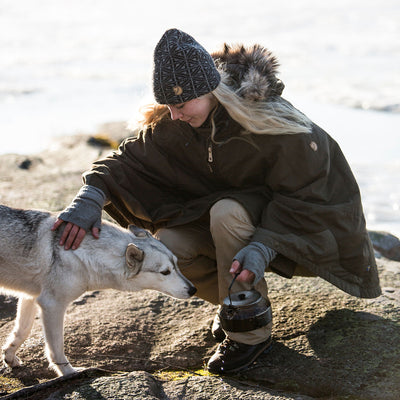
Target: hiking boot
(216, 329)
(233, 356)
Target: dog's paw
(11, 361)
(62, 369)
(4, 368)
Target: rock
(144, 386)
(26, 164)
(102, 141)
(110, 135)
(136, 385)
(387, 244)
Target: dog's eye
(166, 272)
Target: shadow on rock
(348, 353)
(361, 351)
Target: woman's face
(195, 111)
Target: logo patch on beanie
(177, 90)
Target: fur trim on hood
(249, 71)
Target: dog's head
(152, 266)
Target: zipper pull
(210, 155)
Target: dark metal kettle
(244, 311)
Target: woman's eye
(166, 272)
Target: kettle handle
(230, 286)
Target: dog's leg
(23, 324)
(53, 311)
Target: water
(68, 66)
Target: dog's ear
(134, 257)
(139, 232)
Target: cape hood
(250, 71)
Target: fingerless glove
(85, 209)
(255, 257)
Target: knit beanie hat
(183, 69)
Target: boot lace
(229, 345)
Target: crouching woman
(235, 181)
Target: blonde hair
(152, 114)
(273, 117)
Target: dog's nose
(192, 290)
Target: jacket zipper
(210, 156)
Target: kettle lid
(243, 298)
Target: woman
(235, 181)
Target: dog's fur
(34, 267)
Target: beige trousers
(205, 250)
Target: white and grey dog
(34, 267)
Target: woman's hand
(72, 235)
(244, 276)
(82, 215)
(251, 261)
